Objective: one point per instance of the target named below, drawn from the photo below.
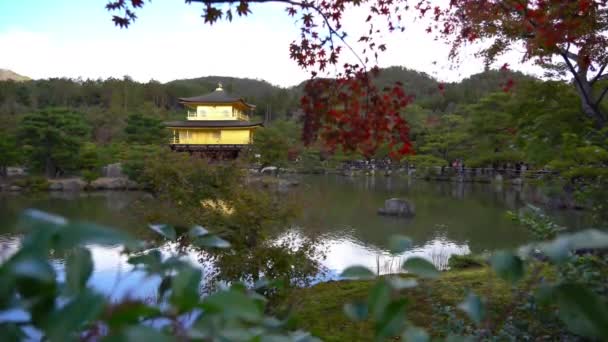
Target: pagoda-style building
(217, 126)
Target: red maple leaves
(352, 113)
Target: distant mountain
(6, 75)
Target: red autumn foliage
(567, 37)
(352, 113)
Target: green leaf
(415, 334)
(233, 304)
(421, 267)
(197, 231)
(140, 333)
(164, 286)
(78, 267)
(379, 298)
(33, 268)
(392, 320)
(12, 332)
(399, 283)
(164, 230)
(82, 233)
(32, 219)
(357, 272)
(130, 312)
(185, 288)
(473, 307)
(356, 311)
(558, 250)
(399, 244)
(64, 322)
(152, 261)
(507, 265)
(212, 241)
(584, 312)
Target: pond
(451, 218)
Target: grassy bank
(319, 309)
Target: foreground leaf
(584, 312)
(415, 334)
(233, 304)
(164, 230)
(197, 231)
(212, 241)
(357, 272)
(78, 268)
(399, 244)
(421, 267)
(356, 311)
(473, 307)
(84, 308)
(508, 266)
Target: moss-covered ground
(319, 309)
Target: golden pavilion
(217, 125)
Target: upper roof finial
(219, 86)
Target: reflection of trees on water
(467, 213)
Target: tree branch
(564, 55)
(599, 74)
(304, 5)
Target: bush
(33, 183)
(89, 176)
(459, 262)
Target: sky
(169, 40)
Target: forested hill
(116, 98)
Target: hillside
(9, 75)
(123, 96)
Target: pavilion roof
(217, 96)
(212, 123)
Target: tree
(145, 130)
(543, 112)
(9, 153)
(565, 37)
(53, 138)
(493, 130)
(447, 137)
(273, 143)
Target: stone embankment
(112, 179)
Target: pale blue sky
(76, 38)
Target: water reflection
(451, 218)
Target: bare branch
(599, 74)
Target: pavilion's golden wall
(209, 136)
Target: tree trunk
(50, 169)
(585, 92)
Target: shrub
(33, 183)
(459, 262)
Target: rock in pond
(14, 188)
(397, 207)
(55, 186)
